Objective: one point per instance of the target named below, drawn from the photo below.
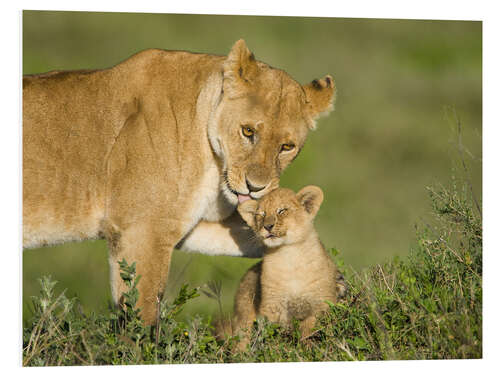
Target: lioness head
(261, 122)
(282, 217)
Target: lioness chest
(208, 200)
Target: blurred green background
(393, 132)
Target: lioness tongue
(242, 198)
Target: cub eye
(287, 147)
(281, 211)
(247, 131)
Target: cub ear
(240, 68)
(320, 96)
(247, 211)
(311, 198)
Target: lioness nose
(253, 188)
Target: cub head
(261, 121)
(283, 217)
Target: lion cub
(296, 275)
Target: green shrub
(427, 306)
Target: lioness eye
(247, 131)
(281, 211)
(287, 147)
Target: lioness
(296, 275)
(156, 152)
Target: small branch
(345, 349)
(87, 348)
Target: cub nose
(254, 188)
(269, 227)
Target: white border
(423, 9)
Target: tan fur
(142, 152)
(296, 275)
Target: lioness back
(80, 115)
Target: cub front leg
(151, 249)
(246, 305)
(307, 325)
(274, 311)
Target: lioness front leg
(151, 249)
(230, 237)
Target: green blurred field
(393, 131)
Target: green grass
(392, 131)
(427, 305)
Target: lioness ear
(247, 211)
(311, 198)
(320, 96)
(240, 68)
